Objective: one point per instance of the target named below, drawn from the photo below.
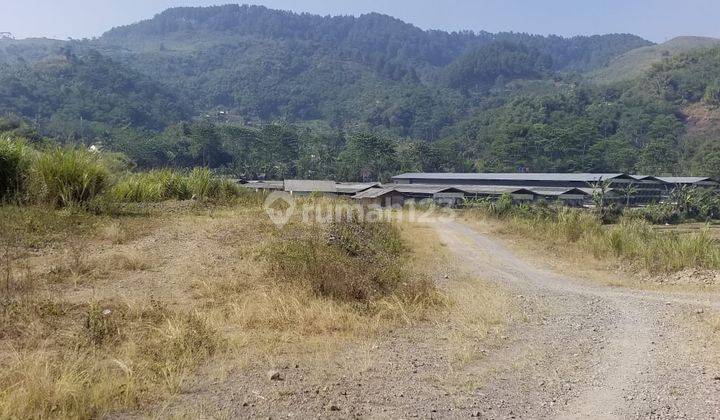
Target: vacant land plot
(139, 312)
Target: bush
(684, 204)
(15, 159)
(67, 177)
(658, 214)
(349, 261)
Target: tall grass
(63, 177)
(15, 159)
(152, 186)
(632, 241)
(67, 176)
(168, 184)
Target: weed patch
(350, 261)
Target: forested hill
(373, 38)
(255, 91)
(371, 71)
(69, 94)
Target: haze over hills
(431, 100)
(634, 63)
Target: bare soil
(580, 349)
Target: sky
(656, 20)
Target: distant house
(352, 188)
(444, 195)
(380, 197)
(307, 186)
(514, 179)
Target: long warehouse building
(642, 189)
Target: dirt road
(582, 351)
(598, 352)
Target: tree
(206, 145)
(367, 157)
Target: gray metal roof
(686, 179)
(491, 189)
(544, 191)
(585, 177)
(301, 185)
(419, 188)
(355, 187)
(558, 191)
(264, 185)
(373, 192)
(646, 178)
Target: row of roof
(304, 186)
(566, 177)
(433, 183)
(478, 190)
(374, 190)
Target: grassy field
(114, 313)
(120, 289)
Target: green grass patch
(65, 177)
(15, 160)
(166, 184)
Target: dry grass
(473, 309)
(111, 314)
(714, 322)
(630, 244)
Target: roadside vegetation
(630, 238)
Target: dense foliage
(71, 94)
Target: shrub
(573, 224)
(349, 261)
(15, 159)
(67, 176)
(662, 213)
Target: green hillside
(252, 65)
(253, 91)
(31, 50)
(635, 62)
(371, 71)
(73, 96)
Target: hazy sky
(657, 20)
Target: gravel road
(604, 352)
